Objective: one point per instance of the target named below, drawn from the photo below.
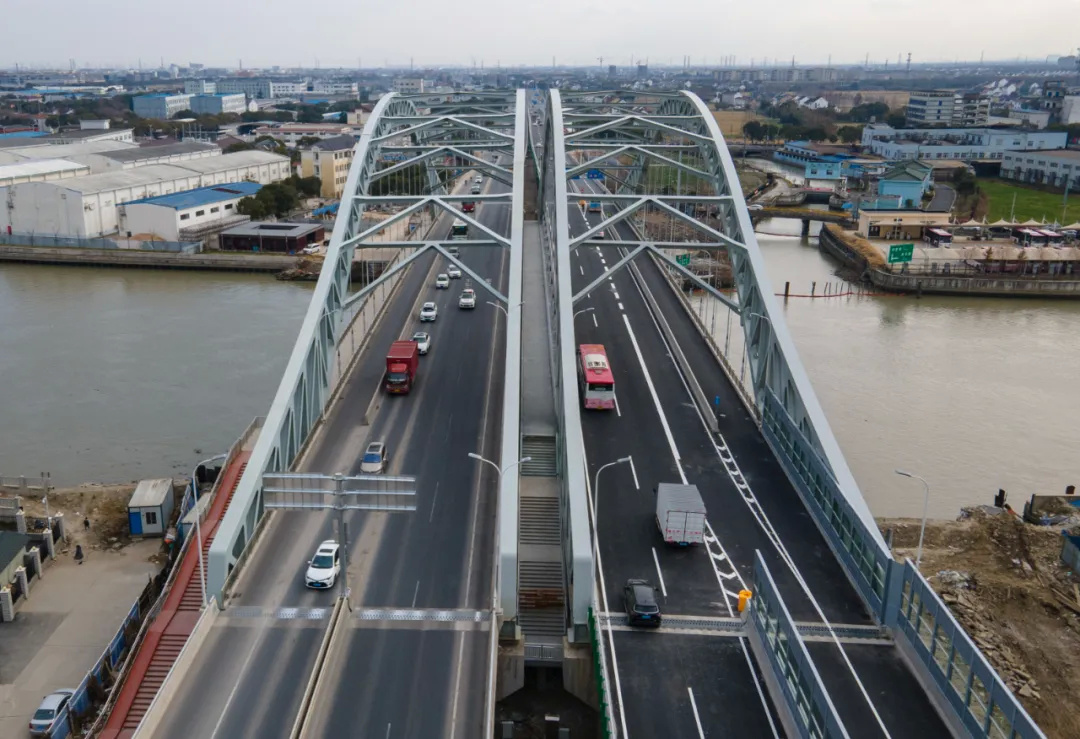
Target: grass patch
(1030, 202)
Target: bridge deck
(651, 393)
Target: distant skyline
(115, 33)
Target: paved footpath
(69, 619)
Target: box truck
(680, 514)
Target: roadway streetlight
(504, 310)
(596, 489)
(500, 470)
(198, 518)
(583, 310)
(926, 501)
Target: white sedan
(323, 568)
(423, 341)
(467, 299)
(453, 272)
(428, 312)
(442, 282)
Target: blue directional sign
(594, 174)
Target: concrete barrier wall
(145, 259)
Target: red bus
(594, 377)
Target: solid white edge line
(581, 270)
(656, 400)
(617, 411)
(603, 590)
(633, 471)
(656, 561)
(697, 719)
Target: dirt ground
(104, 505)
(1005, 582)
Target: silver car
(428, 312)
(52, 706)
(423, 341)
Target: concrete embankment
(75, 256)
(866, 260)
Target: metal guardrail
(973, 689)
(603, 688)
(867, 565)
(773, 632)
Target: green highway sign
(683, 259)
(901, 253)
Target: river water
(114, 375)
(109, 375)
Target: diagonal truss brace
(594, 163)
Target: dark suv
(639, 597)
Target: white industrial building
(107, 156)
(200, 87)
(219, 103)
(161, 106)
(185, 216)
(86, 206)
(40, 170)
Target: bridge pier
(806, 228)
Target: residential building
(1058, 168)
(947, 108)
(291, 133)
(965, 144)
(1054, 92)
(329, 160)
(161, 106)
(200, 87)
(219, 103)
(1070, 110)
(86, 206)
(335, 87)
(930, 108)
(408, 85)
(288, 238)
(908, 181)
(186, 216)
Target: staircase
(172, 626)
(545, 460)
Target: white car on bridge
(324, 567)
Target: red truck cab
(468, 207)
(401, 363)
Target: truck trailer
(680, 514)
(401, 363)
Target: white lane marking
(633, 471)
(603, 590)
(620, 308)
(388, 725)
(431, 516)
(617, 411)
(656, 399)
(656, 561)
(243, 671)
(605, 268)
(616, 294)
(416, 592)
(697, 719)
(581, 269)
(594, 320)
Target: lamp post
(504, 310)
(926, 502)
(501, 470)
(198, 518)
(596, 489)
(583, 310)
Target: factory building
(219, 103)
(185, 216)
(87, 206)
(162, 106)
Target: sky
(118, 33)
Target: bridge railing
(774, 636)
(867, 565)
(927, 630)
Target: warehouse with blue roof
(185, 216)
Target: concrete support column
(20, 522)
(61, 526)
(35, 561)
(510, 670)
(7, 605)
(579, 673)
(23, 580)
(50, 545)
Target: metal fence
(41, 483)
(985, 706)
(775, 632)
(866, 563)
(77, 242)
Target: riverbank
(1004, 580)
(78, 256)
(860, 255)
